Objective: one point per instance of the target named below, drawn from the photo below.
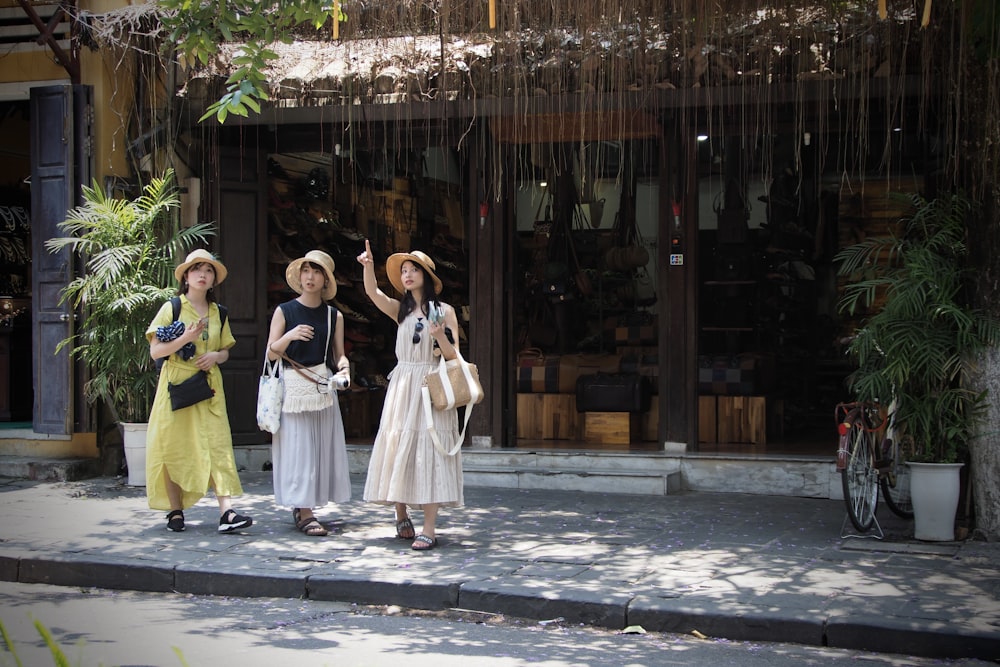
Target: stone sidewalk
(734, 566)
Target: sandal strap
(428, 542)
(311, 525)
(404, 525)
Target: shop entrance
(15, 266)
(586, 306)
(398, 201)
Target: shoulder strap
(223, 314)
(175, 305)
(329, 326)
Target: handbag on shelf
(193, 390)
(613, 392)
(270, 394)
(531, 356)
(454, 384)
(542, 330)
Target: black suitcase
(613, 392)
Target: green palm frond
(129, 249)
(921, 343)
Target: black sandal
(424, 543)
(175, 521)
(231, 522)
(405, 530)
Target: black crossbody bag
(193, 390)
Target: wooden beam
(803, 92)
(616, 125)
(68, 61)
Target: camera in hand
(337, 382)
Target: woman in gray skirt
(309, 452)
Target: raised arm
(382, 301)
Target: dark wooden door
(60, 132)
(239, 209)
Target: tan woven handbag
(454, 384)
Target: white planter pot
(934, 489)
(134, 437)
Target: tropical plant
(128, 247)
(920, 341)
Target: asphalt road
(102, 627)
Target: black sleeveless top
(308, 352)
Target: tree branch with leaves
(196, 29)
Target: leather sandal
(312, 527)
(404, 529)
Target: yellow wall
(113, 92)
(112, 102)
(33, 66)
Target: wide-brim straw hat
(394, 265)
(197, 257)
(319, 258)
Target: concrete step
(641, 473)
(48, 469)
(573, 470)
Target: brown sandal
(311, 526)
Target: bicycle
(894, 474)
(865, 468)
(856, 461)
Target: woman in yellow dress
(190, 449)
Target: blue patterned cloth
(171, 332)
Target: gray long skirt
(309, 454)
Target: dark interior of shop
(771, 363)
(15, 266)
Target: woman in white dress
(309, 452)
(406, 469)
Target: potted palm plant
(128, 249)
(918, 343)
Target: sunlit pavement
(741, 567)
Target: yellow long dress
(194, 444)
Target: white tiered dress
(405, 466)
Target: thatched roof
(409, 54)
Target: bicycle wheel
(859, 476)
(895, 480)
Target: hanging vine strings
(560, 56)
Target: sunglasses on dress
(417, 329)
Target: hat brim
(220, 269)
(394, 265)
(295, 269)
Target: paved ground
(741, 567)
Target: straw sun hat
(319, 258)
(394, 265)
(197, 257)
